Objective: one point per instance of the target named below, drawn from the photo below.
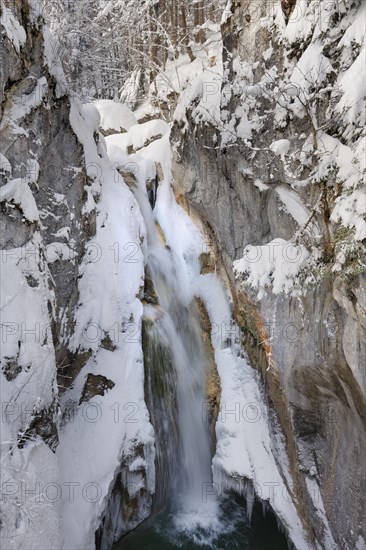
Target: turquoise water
(232, 532)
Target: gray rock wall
(309, 349)
(59, 189)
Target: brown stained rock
(207, 263)
(146, 118)
(131, 150)
(95, 384)
(111, 132)
(159, 171)
(161, 234)
(151, 188)
(44, 425)
(69, 365)
(129, 178)
(213, 385)
(256, 342)
(107, 343)
(150, 296)
(288, 7)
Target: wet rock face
(308, 349)
(323, 409)
(230, 205)
(213, 384)
(129, 501)
(326, 404)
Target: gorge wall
(268, 154)
(63, 348)
(307, 345)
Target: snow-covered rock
(114, 116)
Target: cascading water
(187, 514)
(175, 380)
(179, 330)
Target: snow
(206, 88)
(357, 30)
(159, 151)
(261, 186)
(18, 192)
(280, 148)
(25, 309)
(26, 338)
(14, 31)
(353, 85)
(117, 140)
(140, 134)
(143, 163)
(294, 205)
(23, 105)
(114, 116)
(227, 13)
(5, 165)
(299, 25)
(114, 269)
(274, 265)
(243, 129)
(130, 90)
(267, 54)
(350, 210)
(312, 68)
(243, 450)
(32, 493)
(92, 117)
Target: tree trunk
(174, 22)
(199, 19)
(164, 20)
(153, 44)
(184, 31)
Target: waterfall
(187, 511)
(175, 382)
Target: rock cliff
(268, 161)
(286, 71)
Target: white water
(187, 452)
